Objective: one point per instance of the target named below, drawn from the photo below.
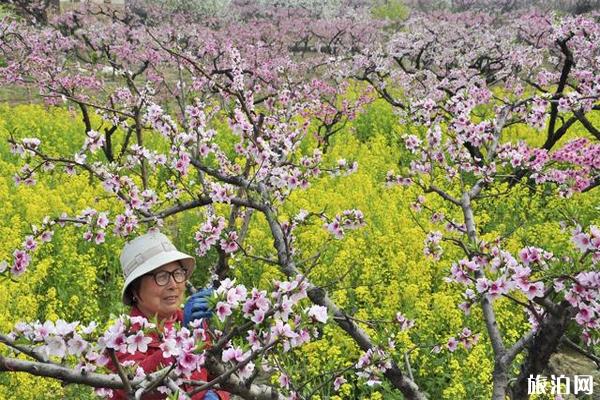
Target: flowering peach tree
(461, 83)
(150, 98)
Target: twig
(120, 371)
(580, 350)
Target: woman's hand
(197, 306)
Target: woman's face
(162, 301)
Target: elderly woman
(155, 275)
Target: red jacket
(153, 360)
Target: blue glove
(211, 395)
(197, 307)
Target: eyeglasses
(162, 277)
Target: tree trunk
(500, 378)
(544, 344)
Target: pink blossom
(531, 255)
(182, 164)
(246, 371)
(99, 237)
(76, 345)
(223, 310)
(114, 337)
(225, 285)
(232, 353)
(94, 141)
(204, 150)
(21, 261)
(138, 342)
(497, 288)
(258, 316)
(585, 315)
(534, 290)
(237, 294)
(559, 285)
(253, 340)
(169, 348)
(470, 265)
(30, 181)
(392, 179)
(257, 301)
(163, 390)
(458, 274)
(43, 331)
(365, 359)
(405, 323)
(284, 308)
(102, 220)
(281, 329)
(318, 313)
(452, 344)
(56, 346)
(582, 241)
(90, 328)
(412, 143)
(31, 143)
(188, 362)
(64, 328)
(70, 170)
(47, 236)
(221, 193)
(303, 337)
(139, 373)
(335, 229)
(229, 244)
(338, 382)
(432, 245)
(112, 184)
(284, 381)
(30, 243)
(482, 285)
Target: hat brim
(154, 263)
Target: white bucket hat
(146, 253)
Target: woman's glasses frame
(161, 278)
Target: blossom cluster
(466, 338)
(211, 232)
(22, 256)
(348, 220)
(508, 273)
(276, 320)
(372, 364)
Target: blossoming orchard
(390, 199)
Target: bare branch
(120, 371)
(59, 372)
(518, 347)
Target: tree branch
(319, 296)
(64, 374)
(587, 124)
(517, 347)
(30, 351)
(120, 371)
